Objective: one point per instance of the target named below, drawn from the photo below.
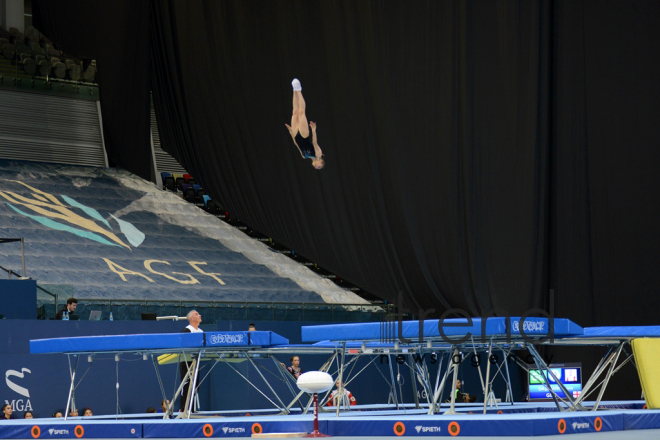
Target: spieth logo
(52, 431)
(528, 326)
(226, 430)
(226, 339)
(580, 425)
(420, 428)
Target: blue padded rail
(367, 331)
(158, 341)
(267, 338)
(96, 344)
(650, 331)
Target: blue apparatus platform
(569, 414)
(534, 421)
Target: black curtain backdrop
(434, 120)
(116, 34)
(479, 154)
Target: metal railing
(213, 311)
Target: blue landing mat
(58, 428)
(354, 425)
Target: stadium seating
(36, 56)
(111, 235)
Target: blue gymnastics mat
(352, 424)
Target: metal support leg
(283, 372)
(454, 365)
(413, 379)
(185, 414)
(508, 377)
(160, 380)
(254, 386)
(393, 389)
(264, 379)
(607, 378)
(193, 388)
(487, 382)
(72, 388)
(435, 407)
(340, 388)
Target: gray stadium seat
(44, 68)
(15, 33)
(75, 72)
(9, 51)
(59, 68)
(89, 74)
(29, 65)
(36, 49)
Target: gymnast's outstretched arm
(317, 149)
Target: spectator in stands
(252, 327)
(346, 397)
(294, 369)
(58, 414)
(28, 415)
(194, 319)
(7, 411)
(303, 137)
(87, 412)
(163, 406)
(70, 307)
(73, 413)
(151, 409)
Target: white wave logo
(226, 339)
(20, 374)
(528, 326)
(580, 425)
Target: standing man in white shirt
(194, 319)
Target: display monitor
(570, 375)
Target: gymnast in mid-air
(302, 133)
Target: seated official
(70, 308)
(346, 397)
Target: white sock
(296, 85)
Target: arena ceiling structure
(480, 155)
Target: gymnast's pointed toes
(297, 87)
